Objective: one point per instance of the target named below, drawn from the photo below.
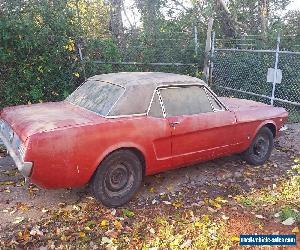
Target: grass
(283, 197)
(195, 233)
(289, 212)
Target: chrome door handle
(173, 124)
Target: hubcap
(261, 146)
(117, 177)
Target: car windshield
(96, 96)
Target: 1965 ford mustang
(116, 128)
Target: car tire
(261, 147)
(117, 178)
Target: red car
(116, 128)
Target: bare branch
(180, 4)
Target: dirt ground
(189, 187)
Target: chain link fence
(269, 76)
(179, 52)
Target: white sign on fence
(271, 75)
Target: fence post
(196, 40)
(81, 58)
(275, 69)
(211, 57)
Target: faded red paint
(67, 143)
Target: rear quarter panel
(68, 157)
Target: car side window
(155, 109)
(184, 100)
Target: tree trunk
(208, 47)
(116, 22)
(263, 15)
(229, 23)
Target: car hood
(27, 120)
(241, 104)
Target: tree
(116, 22)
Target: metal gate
(269, 76)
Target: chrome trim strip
(216, 97)
(161, 86)
(210, 102)
(124, 116)
(210, 96)
(162, 105)
(23, 167)
(152, 98)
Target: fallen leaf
(112, 234)
(154, 201)
(118, 225)
(197, 224)
(6, 183)
(295, 230)
(220, 200)
(76, 208)
(24, 235)
(177, 204)
(127, 212)
(289, 221)
(215, 204)
(186, 244)
(104, 223)
(276, 215)
(152, 231)
(235, 238)
(106, 240)
(44, 210)
(210, 209)
(18, 220)
(36, 231)
(81, 234)
(90, 198)
(224, 217)
(22, 206)
(113, 212)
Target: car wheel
(117, 178)
(261, 147)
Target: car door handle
(173, 124)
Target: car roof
(139, 88)
(126, 79)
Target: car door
(161, 135)
(201, 127)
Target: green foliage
(289, 212)
(38, 53)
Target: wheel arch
(270, 124)
(272, 127)
(138, 151)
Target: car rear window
(96, 96)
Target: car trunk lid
(26, 120)
(235, 104)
